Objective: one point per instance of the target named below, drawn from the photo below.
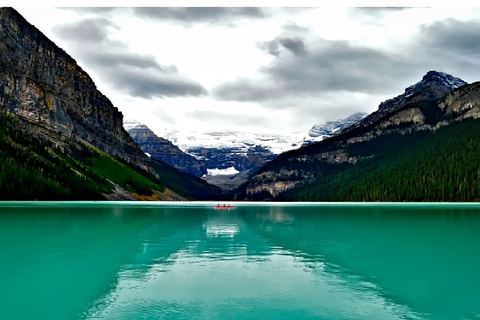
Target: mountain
(61, 138)
(53, 96)
(223, 158)
(418, 146)
(433, 85)
(241, 141)
(164, 150)
(226, 158)
(323, 131)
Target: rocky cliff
(162, 149)
(434, 85)
(52, 95)
(436, 101)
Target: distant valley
(227, 158)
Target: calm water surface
(136, 261)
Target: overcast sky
(260, 69)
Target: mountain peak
(442, 78)
(129, 124)
(433, 85)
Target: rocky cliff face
(434, 85)
(162, 149)
(463, 103)
(435, 101)
(52, 95)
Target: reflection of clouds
(276, 214)
(221, 230)
(282, 286)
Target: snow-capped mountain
(210, 154)
(240, 141)
(130, 124)
(323, 131)
(162, 149)
(434, 84)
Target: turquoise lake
(126, 260)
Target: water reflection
(278, 262)
(235, 267)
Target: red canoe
(224, 207)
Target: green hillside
(31, 169)
(422, 166)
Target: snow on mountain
(222, 172)
(129, 124)
(241, 142)
(434, 84)
(441, 78)
(323, 131)
(226, 139)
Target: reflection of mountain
(415, 256)
(65, 256)
(225, 268)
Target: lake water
(86, 260)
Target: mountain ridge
(364, 142)
(52, 94)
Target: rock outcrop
(53, 97)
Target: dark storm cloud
(332, 66)
(199, 14)
(462, 37)
(88, 30)
(136, 74)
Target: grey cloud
(294, 29)
(451, 46)
(200, 14)
(332, 66)
(271, 47)
(462, 37)
(228, 118)
(119, 59)
(377, 11)
(140, 83)
(247, 90)
(85, 31)
(135, 74)
(293, 44)
(99, 10)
